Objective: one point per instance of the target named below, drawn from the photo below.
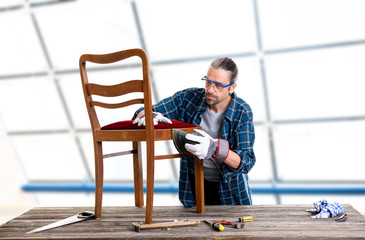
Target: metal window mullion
(266, 98)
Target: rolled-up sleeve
(244, 141)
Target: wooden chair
(126, 131)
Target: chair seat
(128, 124)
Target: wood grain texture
(270, 222)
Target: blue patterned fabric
(188, 106)
(325, 210)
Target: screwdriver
(215, 226)
(245, 219)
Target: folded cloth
(322, 209)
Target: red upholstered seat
(128, 124)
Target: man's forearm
(140, 113)
(233, 160)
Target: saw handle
(85, 215)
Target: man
(226, 142)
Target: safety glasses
(216, 85)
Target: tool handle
(86, 215)
(217, 226)
(224, 222)
(166, 224)
(245, 219)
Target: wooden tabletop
(270, 222)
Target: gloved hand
(157, 117)
(207, 147)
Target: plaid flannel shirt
(188, 106)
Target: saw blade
(85, 215)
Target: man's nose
(210, 88)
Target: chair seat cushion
(128, 124)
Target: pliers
(341, 218)
(224, 222)
(229, 223)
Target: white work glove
(207, 147)
(157, 117)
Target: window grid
(260, 54)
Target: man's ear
(232, 88)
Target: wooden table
(270, 222)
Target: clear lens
(216, 86)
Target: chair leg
(150, 179)
(138, 176)
(99, 178)
(199, 185)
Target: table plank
(270, 222)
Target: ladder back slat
(117, 105)
(115, 90)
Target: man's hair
(227, 64)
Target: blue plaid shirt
(188, 106)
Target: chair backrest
(120, 89)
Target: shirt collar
(232, 107)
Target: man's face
(213, 93)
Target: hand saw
(82, 216)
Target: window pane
(73, 94)
(20, 48)
(180, 29)
(316, 84)
(10, 3)
(50, 157)
(294, 23)
(31, 104)
(249, 86)
(90, 27)
(169, 79)
(326, 151)
(262, 170)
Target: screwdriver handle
(218, 227)
(245, 219)
(215, 226)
